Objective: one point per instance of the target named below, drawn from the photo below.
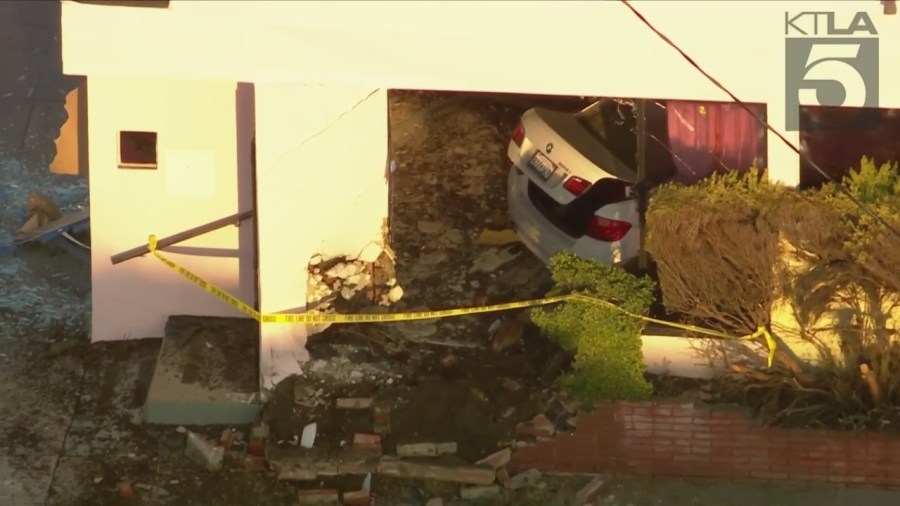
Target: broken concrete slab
(365, 441)
(355, 403)
(371, 252)
(206, 373)
(318, 497)
(417, 450)
(447, 448)
(491, 260)
(529, 478)
(480, 493)
(468, 475)
(497, 459)
(497, 237)
(508, 334)
(203, 452)
(589, 492)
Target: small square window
(137, 150)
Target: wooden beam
(165, 242)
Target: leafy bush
(728, 248)
(715, 247)
(608, 359)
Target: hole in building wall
(451, 184)
(836, 139)
(453, 241)
(138, 150)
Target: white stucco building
(197, 80)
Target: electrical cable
(763, 122)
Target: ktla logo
(830, 65)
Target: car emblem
(549, 147)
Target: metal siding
(706, 137)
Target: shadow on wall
(119, 315)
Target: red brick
(768, 475)
(226, 440)
(357, 498)
(318, 496)
(499, 459)
(524, 429)
(701, 450)
(667, 433)
(257, 448)
(751, 452)
(575, 447)
(367, 441)
(732, 473)
(502, 476)
(686, 428)
(700, 443)
(125, 490)
(690, 457)
(254, 463)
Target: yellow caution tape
(313, 318)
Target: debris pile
(371, 451)
(367, 279)
(41, 211)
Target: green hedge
(608, 359)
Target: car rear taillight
(519, 134)
(606, 230)
(576, 186)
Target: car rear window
(613, 125)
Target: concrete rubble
(480, 493)
(589, 492)
(529, 478)
(41, 210)
(204, 452)
(369, 277)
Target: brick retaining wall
(682, 440)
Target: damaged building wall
(321, 154)
(418, 45)
(195, 181)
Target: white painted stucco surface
(134, 298)
(321, 154)
(313, 61)
(559, 47)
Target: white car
(570, 184)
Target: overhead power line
(839, 185)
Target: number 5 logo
(831, 72)
(830, 77)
